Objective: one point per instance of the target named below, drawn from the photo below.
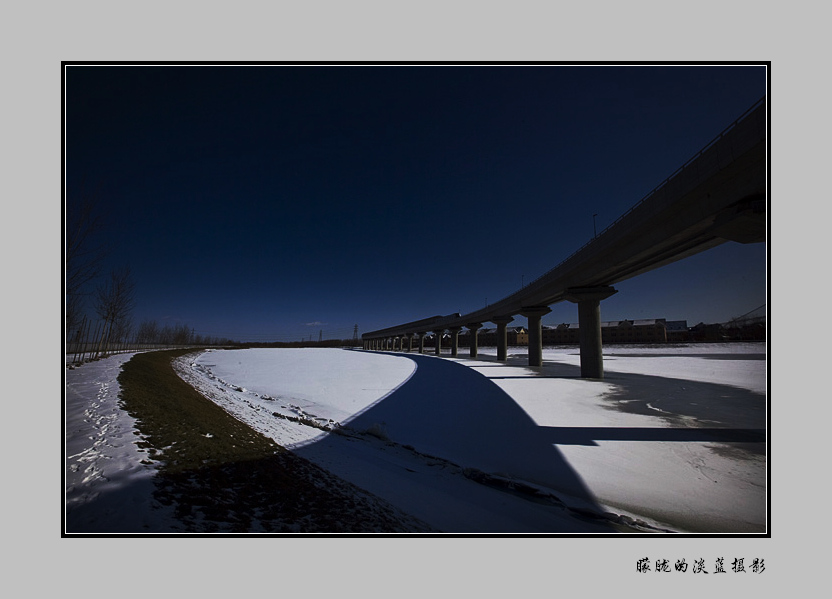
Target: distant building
(652, 330)
(677, 331)
(514, 336)
(635, 331)
(617, 331)
(562, 334)
(707, 332)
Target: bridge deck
(717, 196)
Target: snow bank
(108, 480)
(543, 426)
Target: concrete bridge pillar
(534, 314)
(455, 341)
(409, 342)
(474, 328)
(589, 322)
(437, 338)
(502, 340)
(422, 341)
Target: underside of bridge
(718, 196)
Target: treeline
(323, 343)
(96, 339)
(98, 308)
(149, 332)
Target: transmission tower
(355, 335)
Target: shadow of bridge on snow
(452, 412)
(696, 411)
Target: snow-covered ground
(108, 488)
(670, 439)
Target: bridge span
(717, 196)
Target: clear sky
(271, 203)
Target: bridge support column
(409, 342)
(422, 341)
(437, 340)
(455, 341)
(474, 328)
(589, 322)
(534, 314)
(502, 339)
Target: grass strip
(223, 476)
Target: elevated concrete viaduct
(719, 195)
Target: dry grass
(222, 476)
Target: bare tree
(148, 332)
(166, 335)
(182, 335)
(74, 314)
(122, 328)
(113, 302)
(83, 253)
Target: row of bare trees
(150, 333)
(84, 253)
(110, 297)
(94, 339)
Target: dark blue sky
(272, 202)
